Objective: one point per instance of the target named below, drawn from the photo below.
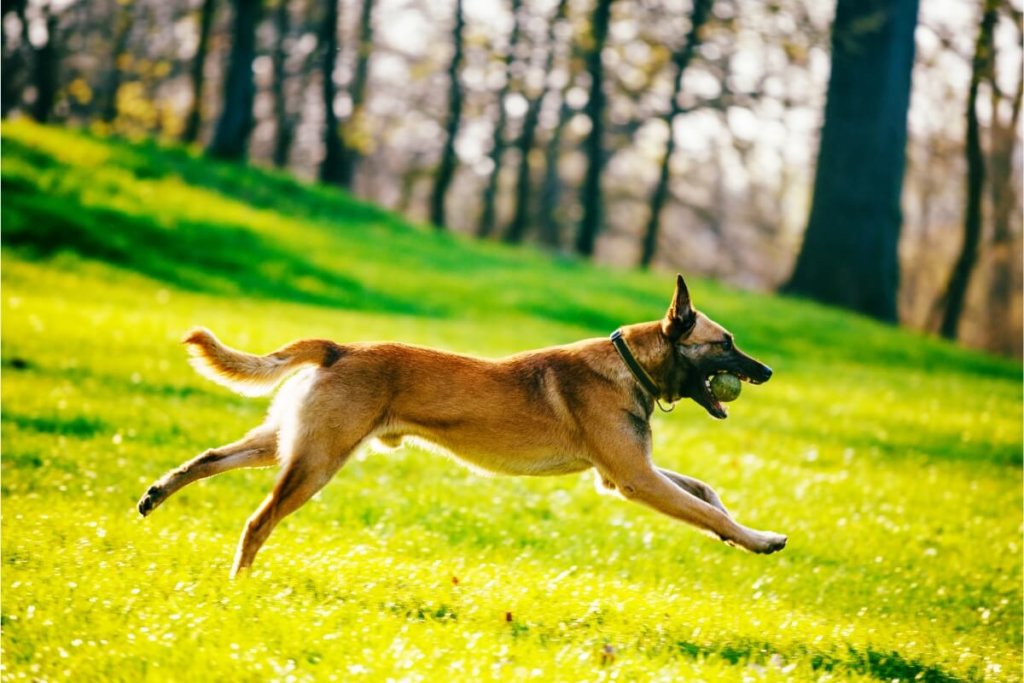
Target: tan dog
(552, 411)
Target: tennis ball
(725, 387)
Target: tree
(680, 60)
(952, 301)
(355, 129)
(446, 169)
(849, 255)
(45, 65)
(517, 227)
(123, 22)
(198, 72)
(486, 226)
(330, 167)
(14, 62)
(1004, 195)
(590, 194)
(231, 137)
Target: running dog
(556, 410)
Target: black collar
(634, 366)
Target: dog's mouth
(700, 391)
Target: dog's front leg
(695, 487)
(645, 484)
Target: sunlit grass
(892, 461)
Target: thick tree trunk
(517, 228)
(680, 60)
(849, 255)
(486, 226)
(956, 291)
(231, 138)
(330, 168)
(446, 169)
(198, 72)
(590, 195)
(357, 93)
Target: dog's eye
(727, 344)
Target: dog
(556, 410)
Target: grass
(893, 461)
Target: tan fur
(552, 411)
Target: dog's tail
(253, 375)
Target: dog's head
(700, 349)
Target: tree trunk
(284, 132)
(849, 254)
(680, 60)
(330, 168)
(45, 71)
(590, 195)
(486, 226)
(231, 137)
(517, 228)
(956, 291)
(357, 93)
(551, 187)
(446, 169)
(11, 78)
(195, 114)
(1003, 335)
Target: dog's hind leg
(695, 487)
(309, 463)
(258, 448)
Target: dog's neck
(655, 356)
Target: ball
(725, 387)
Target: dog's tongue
(718, 410)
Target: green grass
(893, 461)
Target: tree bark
(231, 138)
(486, 226)
(517, 227)
(956, 290)
(446, 169)
(198, 72)
(680, 60)
(357, 93)
(590, 195)
(849, 255)
(330, 168)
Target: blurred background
(864, 153)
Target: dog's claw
(774, 543)
(150, 499)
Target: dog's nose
(767, 373)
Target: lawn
(892, 461)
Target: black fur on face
(701, 362)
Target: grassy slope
(891, 460)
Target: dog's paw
(769, 542)
(153, 496)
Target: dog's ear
(680, 318)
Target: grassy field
(892, 461)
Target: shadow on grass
(883, 666)
(194, 256)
